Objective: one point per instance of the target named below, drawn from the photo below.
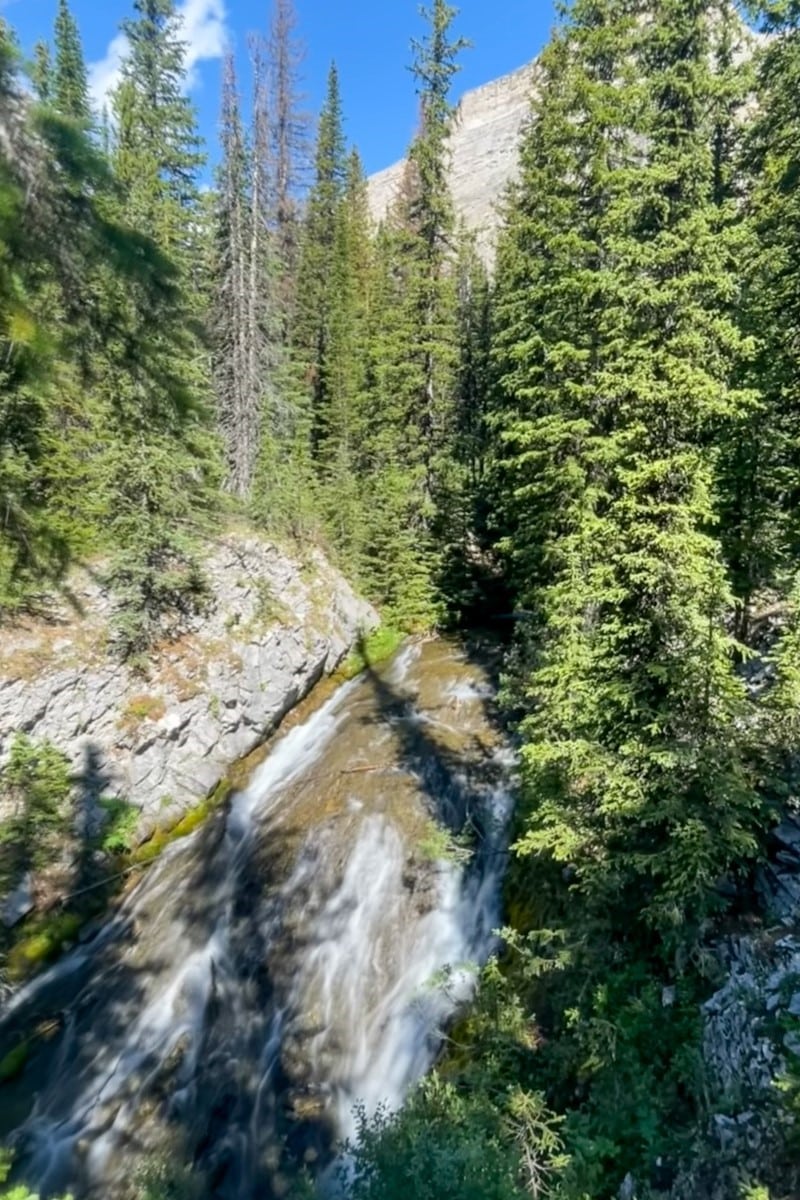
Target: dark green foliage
(121, 819)
(411, 370)
(41, 72)
(157, 153)
(635, 774)
(103, 437)
(68, 88)
(35, 788)
(441, 1145)
(603, 432)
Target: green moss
(44, 940)
(189, 822)
(12, 1064)
(373, 649)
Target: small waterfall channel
(298, 955)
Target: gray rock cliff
(485, 154)
(164, 740)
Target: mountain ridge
(484, 154)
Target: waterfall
(298, 956)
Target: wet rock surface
(297, 955)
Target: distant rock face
(485, 154)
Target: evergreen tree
(164, 466)
(236, 388)
(619, 369)
(414, 375)
(70, 85)
(472, 577)
(157, 153)
(761, 460)
(341, 448)
(42, 72)
(428, 213)
(316, 295)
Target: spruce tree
(429, 216)
(762, 461)
(341, 449)
(416, 337)
(157, 152)
(619, 369)
(316, 294)
(70, 85)
(471, 576)
(42, 72)
(164, 466)
(236, 390)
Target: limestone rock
(485, 155)
(162, 742)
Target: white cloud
(202, 29)
(104, 75)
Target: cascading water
(296, 957)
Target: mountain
(484, 142)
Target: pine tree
(316, 285)
(236, 388)
(70, 84)
(42, 72)
(341, 450)
(415, 331)
(163, 469)
(762, 460)
(619, 369)
(471, 576)
(157, 152)
(431, 222)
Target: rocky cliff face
(164, 739)
(484, 146)
(751, 1044)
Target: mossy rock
(44, 941)
(13, 1063)
(373, 649)
(189, 822)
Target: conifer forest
(583, 447)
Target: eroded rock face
(162, 741)
(485, 155)
(751, 1039)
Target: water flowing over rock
(296, 956)
(162, 742)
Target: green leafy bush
(120, 825)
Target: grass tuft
(375, 648)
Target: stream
(299, 955)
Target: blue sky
(369, 39)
